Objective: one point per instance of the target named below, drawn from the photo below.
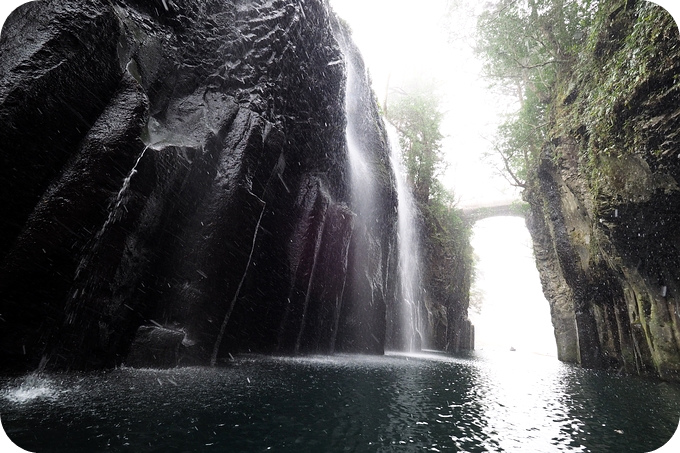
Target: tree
(416, 116)
(444, 236)
(525, 45)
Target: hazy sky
(400, 42)
(401, 38)
(514, 312)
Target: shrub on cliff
(445, 237)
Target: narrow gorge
(190, 180)
(214, 237)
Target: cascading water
(408, 326)
(362, 328)
(409, 256)
(84, 281)
(363, 190)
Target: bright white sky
(399, 42)
(400, 39)
(403, 38)
(514, 312)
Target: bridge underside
(516, 209)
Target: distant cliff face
(605, 199)
(447, 275)
(176, 185)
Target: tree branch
(506, 164)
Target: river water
(486, 401)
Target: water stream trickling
(232, 304)
(84, 280)
(114, 214)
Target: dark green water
(495, 402)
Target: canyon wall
(176, 185)
(604, 196)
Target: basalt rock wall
(175, 185)
(605, 199)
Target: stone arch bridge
(514, 209)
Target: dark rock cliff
(605, 200)
(447, 275)
(176, 185)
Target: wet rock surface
(181, 167)
(605, 203)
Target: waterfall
(408, 301)
(365, 305)
(406, 310)
(362, 186)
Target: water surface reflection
(433, 402)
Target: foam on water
(32, 387)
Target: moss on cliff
(604, 195)
(447, 272)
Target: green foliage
(448, 262)
(448, 254)
(592, 76)
(446, 237)
(620, 64)
(525, 46)
(524, 43)
(416, 116)
(520, 137)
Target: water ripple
(344, 403)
